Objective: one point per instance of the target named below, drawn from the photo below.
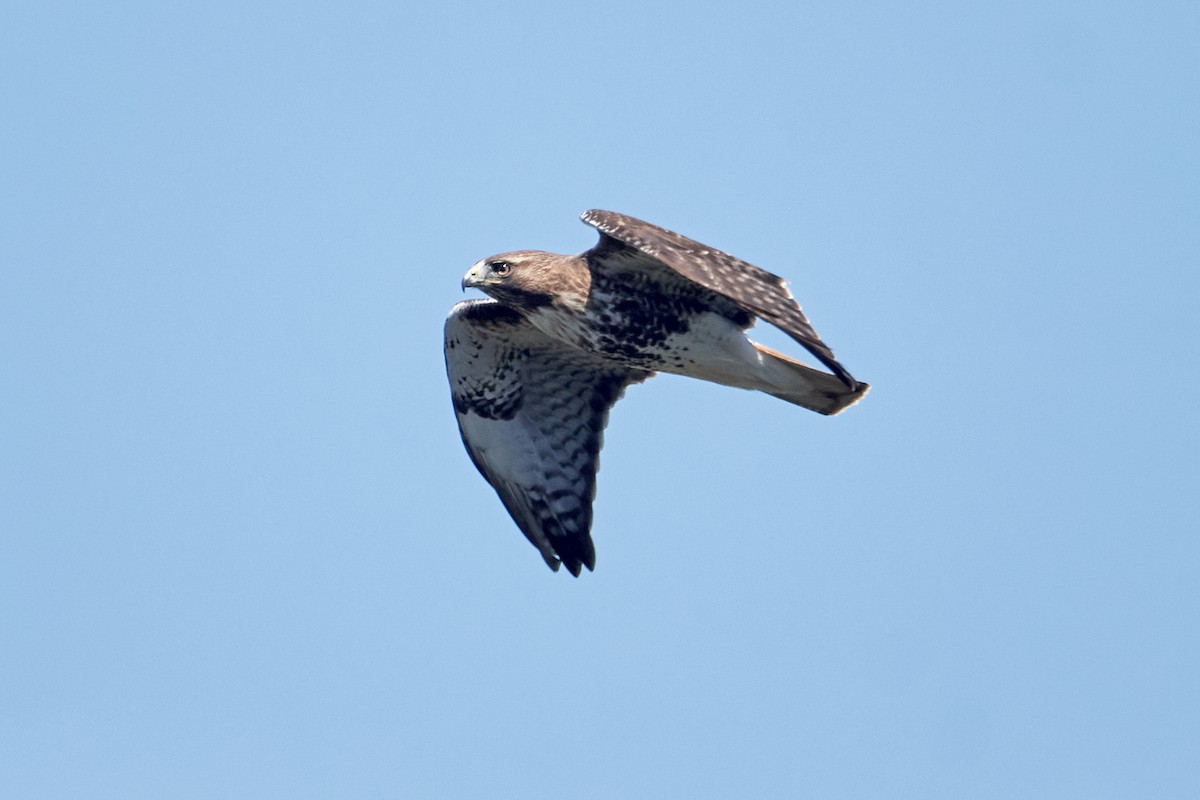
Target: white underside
(714, 349)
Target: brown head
(528, 279)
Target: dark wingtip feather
(576, 553)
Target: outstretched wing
(532, 412)
(757, 291)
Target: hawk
(535, 368)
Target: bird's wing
(751, 288)
(532, 412)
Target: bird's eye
(501, 267)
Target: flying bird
(535, 367)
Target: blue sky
(244, 553)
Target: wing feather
(757, 291)
(532, 412)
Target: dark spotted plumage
(534, 371)
(634, 316)
(751, 289)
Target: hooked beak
(474, 276)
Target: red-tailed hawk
(534, 370)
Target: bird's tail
(800, 384)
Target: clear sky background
(243, 553)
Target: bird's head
(524, 278)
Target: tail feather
(804, 386)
